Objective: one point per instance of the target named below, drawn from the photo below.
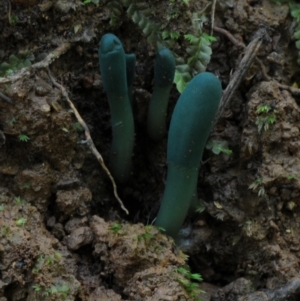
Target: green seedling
(2, 207)
(21, 222)
(12, 121)
(13, 20)
(60, 291)
(91, 1)
(115, 227)
(18, 200)
(5, 231)
(170, 34)
(189, 281)
(39, 264)
(258, 186)
(145, 236)
(189, 129)
(291, 177)
(23, 138)
(57, 256)
(78, 127)
(14, 64)
(37, 287)
(112, 61)
(164, 71)
(266, 117)
(49, 260)
(218, 147)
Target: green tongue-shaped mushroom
(113, 70)
(189, 129)
(164, 70)
(130, 72)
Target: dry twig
(212, 19)
(56, 53)
(5, 98)
(248, 58)
(89, 140)
(229, 36)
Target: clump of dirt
(140, 259)
(34, 264)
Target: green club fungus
(189, 129)
(164, 70)
(112, 61)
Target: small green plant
(291, 177)
(78, 126)
(15, 63)
(147, 235)
(170, 35)
(248, 228)
(12, 121)
(218, 147)
(60, 291)
(37, 287)
(18, 200)
(5, 231)
(57, 256)
(91, 1)
(263, 109)
(39, 264)
(26, 186)
(51, 259)
(13, 20)
(257, 185)
(161, 229)
(115, 227)
(197, 44)
(2, 207)
(189, 282)
(266, 117)
(200, 208)
(23, 138)
(21, 222)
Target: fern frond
(116, 10)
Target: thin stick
(5, 98)
(89, 140)
(9, 11)
(229, 36)
(250, 54)
(212, 19)
(56, 53)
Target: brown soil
(63, 235)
